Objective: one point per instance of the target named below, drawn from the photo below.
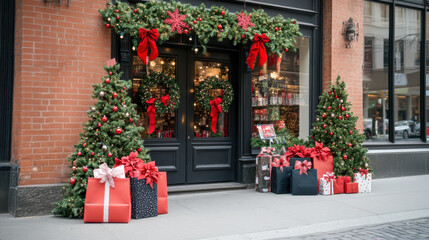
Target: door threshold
(192, 188)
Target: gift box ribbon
(280, 162)
(303, 166)
(107, 174)
(363, 172)
(328, 176)
(215, 110)
(147, 40)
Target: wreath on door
(166, 104)
(219, 104)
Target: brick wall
(338, 60)
(60, 52)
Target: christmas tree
(335, 127)
(110, 133)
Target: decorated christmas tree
(110, 133)
(335, 127)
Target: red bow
(303, 166)
(151, 114)
(328, 176)
(132, 164)
(165, 99)
(320, 152)
(363, 172)
(297, 151)
(147, 39)
(150, 172)
(266, 150)
(258, 48)
(280, 162)
(215, 110)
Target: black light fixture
(351, 32)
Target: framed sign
(266, 131)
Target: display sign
(266, 131)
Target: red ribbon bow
(303, 166)
(266, 150)
(165, 99)
(132, 164)
(215, 110)
(320, 152)
(280, 162)
(150, 172)
(363, 172)
(147, 40)
(151, 113)
(297, 151)
(328, 176)
(258, 48)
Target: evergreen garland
(205, 24)
(215, 83)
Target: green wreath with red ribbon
(217, 105)
(166, 104)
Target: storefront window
(165, 125)
(375, 71)
(407, 74)
(280, 91)
(427, 78)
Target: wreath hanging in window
(166, 104)
(217, 105)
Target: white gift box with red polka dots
(326, 187)
(364, 181)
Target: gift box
(144, 199)
(280, 176)
(340, 184)
(293, 160)
(304, 179)
(162, 193)
(263, 175)
(364, 179)
(322, 159)
(351, 187)
(326, 184)
(108, 196)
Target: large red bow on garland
(215, 110)
(303, 166)
(280, 162)
(258, 48)
(297, 151)
(363, 172)
(165, 99)
(151, 113)
(150, 172)
(321, 152)
(132, 165)
(147, 39)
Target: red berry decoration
(136, 10)
(219, 26)
(345, 157)
(72, 181)
(324, 125)
(195, 22)
(332, 133)
(99, 125)
(350, 145)
(92, 154)
(340, 117)
(107, 25)
(124, 88)
(114, 95)
(355, 128)
(110, 73)
(107, 81)
(276, 29)
(336, 97)
(130, 120)
(329, 107)
(324, 115)
(84, 168)
(222, 13)
(139, 149)
(110, 154)
(186, 31)
(329, 93)
(104, 119)
(343, 109)
(74, 168)
(79, 153)
(286, 49)
(115, 108)
(350, 132)
(118, 130)
(294, 22)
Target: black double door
(192, 153)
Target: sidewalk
(244, 214)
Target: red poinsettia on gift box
(298, 151)
(136, 168)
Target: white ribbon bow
(107, 174)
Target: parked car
(370, 130)
(407, 128)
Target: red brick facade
(59, 53)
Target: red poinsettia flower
(319, 151)
(297, 151)
(132, 164)
(150, 172)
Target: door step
(192, 188)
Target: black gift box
(144, 199)
(280, 181)
(302, 184)
(293, 160)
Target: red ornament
(130, 120)
(124, 88)
(74, 162)
(336, 97)
(332, 133)
(324, 125)
(118, 130)
(222, 12)
(107, 25)
(294, 22)
(72, 181)
(343, 109)
(345, 157)
(316, 127)
(350, 145)
(118, 17)
(115, 108)
(139, 149)
(92, 154)
(195, 22)
(74, 168)
(276, 29)
(355, 128)
(84, 168)
(176, 21)
(219, 26)
(347, 116)
(243, 36)
(84, 145)
(329, 93)
(107, 81)
(116, 10)
(104, 119)
(286, 49)
(329, 107)
(110, 73)
(244, 21)
(114, 95)
(99, 125)
(324, 115)
(136, 10)
(79, 153)
(110, 154)
(350, 132)
(340, 117)
(186, 31)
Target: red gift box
(323, 166)
(340, 184)
(162, 193)
(118, 199)
(352, 188)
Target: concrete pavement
(245, 214)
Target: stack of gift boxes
(305, 171)
(132, 189)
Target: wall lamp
(351, 33)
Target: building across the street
(53, 51)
